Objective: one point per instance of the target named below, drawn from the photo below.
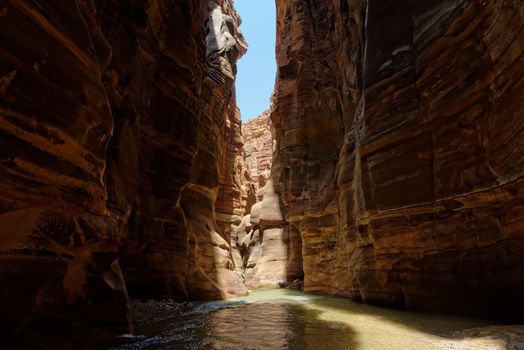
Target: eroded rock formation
(397, 176)
(400, 138)
(237, 192)
(258, 146)
(119, 134)
(269, 249)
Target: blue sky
(256, 70)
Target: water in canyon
(288, 319)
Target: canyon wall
(118, 125)
(269, 248)
(258, 146)
(400, 139)
(237, 193)
(397, 176)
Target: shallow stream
(287, 319)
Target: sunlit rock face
(116, 118)
(258, 145)
(236, 193)
(265, 246)
(269, 249)
(400, 137)
(173, 244)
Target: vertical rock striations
(399, 131)
(118, 124)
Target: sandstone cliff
(118, 135)
(237, 192)
(269, 249)
(400, 139)
(258, 147)
(397, 175)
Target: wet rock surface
(144, 313)
(491, 337)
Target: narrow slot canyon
(378, 203)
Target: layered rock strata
(258, 147)
(397, 176)
(237, 192)
(270, 252)
(118, 121)
(400, 137)
(269, 249)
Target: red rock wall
(269, 247)
(236, 192)
(115, 119)
(59, 242)
(400, 138)
(258, 145)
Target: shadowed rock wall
(115, 120)
(400, 137)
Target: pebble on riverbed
(481, 338)
(151, 311)
(296, 284)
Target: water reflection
(279, 324)
(282, 319)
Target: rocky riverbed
(290, 319)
